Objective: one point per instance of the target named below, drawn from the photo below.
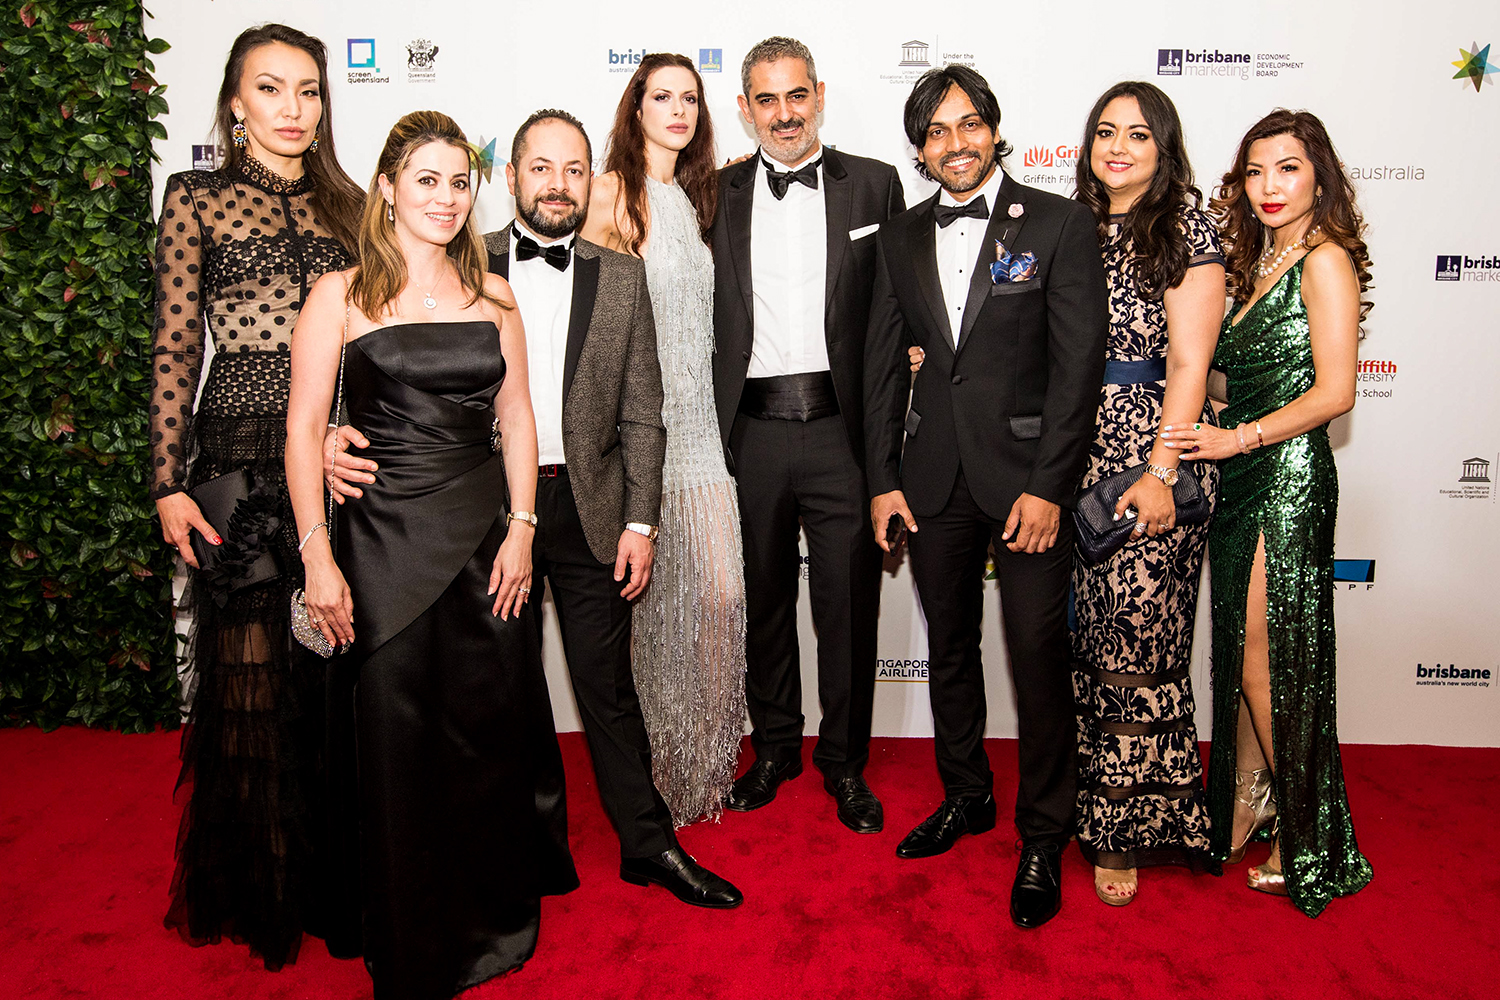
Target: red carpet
(87, 825)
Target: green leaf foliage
(85, 580)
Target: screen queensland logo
(1215, 62)
(363, 66)
(1462, 267)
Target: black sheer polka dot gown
(237, 251)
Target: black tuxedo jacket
(613, 437)
(858, 192)
(1015, 402)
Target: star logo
(484, 156)
(1474, 66)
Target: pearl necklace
(1266, 272)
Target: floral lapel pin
(1016, 209)
(1010, 267)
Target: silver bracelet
(308, 537)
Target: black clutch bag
(246, 516)
(1100, 536)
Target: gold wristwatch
(522, 515)
(1166, 475)
(649, 530)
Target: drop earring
(390, 213)
(240, 134)
(314, 147)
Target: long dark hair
(382, 272)
(696, 173)
(1153, 227)
(1335, 213)
(335, 197)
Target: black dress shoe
(758, 786)
(677, 872)
(1036, 895)
(953, 819)
(859, 809)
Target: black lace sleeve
(1202, 238)
(177, 350)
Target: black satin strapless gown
(462, 817)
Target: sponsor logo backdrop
(1427, 426)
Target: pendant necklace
(1266, 272)
(428, 300)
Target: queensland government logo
(362, 64)
(1212, 62)
(1461, 267)
(710, 60)
(1452, 675)
(421, 59)
(1474, 66)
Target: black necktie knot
(780, 181)
(557, 254)
(948, 214)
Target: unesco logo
(1168, 62)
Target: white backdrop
(1417, 458)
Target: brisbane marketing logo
(1474, 66)
(710, 60)
(1452, 675)
(1213, 62)
(1461, 267)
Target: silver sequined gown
(689, 626)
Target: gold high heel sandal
(1254, 790)
(1264, 878)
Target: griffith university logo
(1461, 267)
(1064, 157)
(1474, 66)
(1376, 378)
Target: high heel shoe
(1254, 790)
(1264, 878)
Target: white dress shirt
(545, 297)
(788, 271)
(960, 249)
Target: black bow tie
(557, 254)
(948, 214)
(781, 181)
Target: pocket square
(1010, 267)
(862, 232)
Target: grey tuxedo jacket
(614, 441)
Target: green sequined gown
(1289, 493)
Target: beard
(960, 185)
(786, 151)
(550, 226)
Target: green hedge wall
(85, 632)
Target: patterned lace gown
(689, 627)
(238, 250)
(1140, 794)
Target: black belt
(551, 471)
(805, 396)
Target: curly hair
(1153, 227)
(1335, 214)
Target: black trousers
(792, 474)
(947, 558)
(595, 623)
